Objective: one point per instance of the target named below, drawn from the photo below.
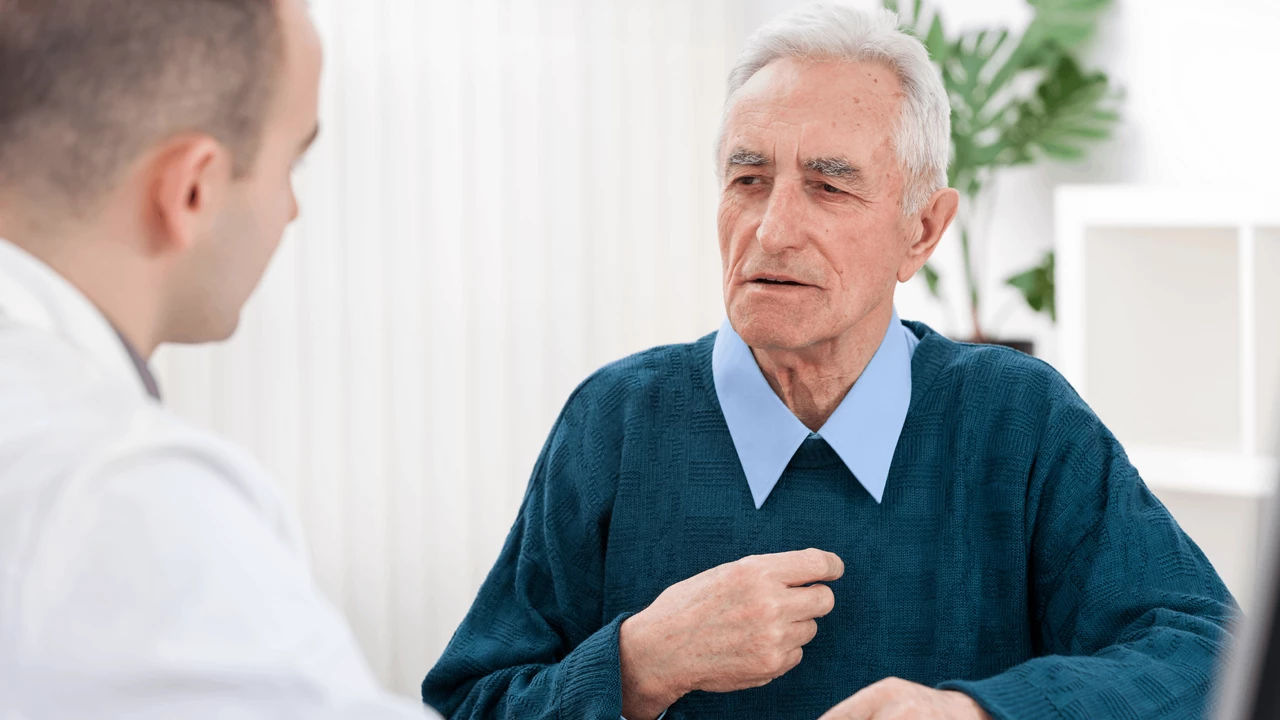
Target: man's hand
(895, 699)
(735, 626)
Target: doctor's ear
(190, 175)
(930, 222)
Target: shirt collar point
(877, 493)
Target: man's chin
(772, 329)
(210, 330)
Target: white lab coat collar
(35, 295)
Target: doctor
(148, 570)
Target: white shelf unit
(1169, 326)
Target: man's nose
(782, 227)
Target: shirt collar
(863, 430)
(34, 294)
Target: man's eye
(831, 189)
(747, 180)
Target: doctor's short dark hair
(86, 86)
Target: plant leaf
(935, 41)
(1017, 98)
(1068, 110)
(1057, 28)
(1037, 286)
(1066, 23)
(931, 279)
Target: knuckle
(814, 559)
(773, 608)
(765, 609)
(778, 661)
(823, 561)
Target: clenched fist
(735, 626)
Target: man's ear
(932, 222)
(191, 175)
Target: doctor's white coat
(147, 569)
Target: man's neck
(115, 282)
(812, 381)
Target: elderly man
(820, 508)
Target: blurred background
(508, 194)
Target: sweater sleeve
(534, 643)
(1130, 616)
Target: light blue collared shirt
(863, 430)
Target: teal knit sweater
(1016, 556)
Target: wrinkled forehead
(814, 108)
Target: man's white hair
(825, 31)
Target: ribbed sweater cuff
(1008, 696)
(593, 676)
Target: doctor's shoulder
(70, 441)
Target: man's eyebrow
(748, 158)
(836, 167)
(306, 144)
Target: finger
(801, 567)
(809, 601)
(793, 659)
(786, 665)
(862, 705)
(801, 633)
(850, 709)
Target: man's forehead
(799, 82)
(841, 95)
(804, 109)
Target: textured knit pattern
(1017, 556)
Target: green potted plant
(1016, 99)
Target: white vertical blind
(507, 194)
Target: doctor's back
(147, 568)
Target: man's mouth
(777, 280)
